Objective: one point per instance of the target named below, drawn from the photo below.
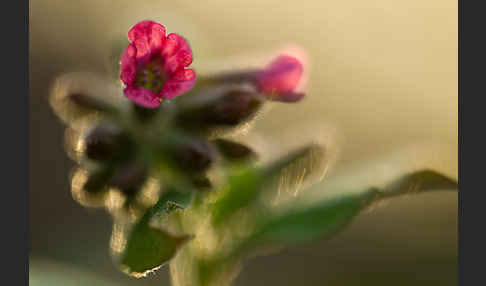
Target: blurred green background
(383, 80)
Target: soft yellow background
(382, 84)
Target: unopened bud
(235, 107)
(193, 156)
(231, 108)
(286, 96)
(98, 181)
(236, 77)
(129, 176)
(201, 182)
(105, 142)
(234, 151)
(280, 78)
(281, 75)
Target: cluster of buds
(174, 115)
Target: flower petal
(142, 97)
(176, 53)
(180, 82)
(281, 75)
(148, 37)
(128, 65)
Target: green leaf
(421, 181)
(306, 167)
(320, 220)
(246, 184)
(148, 248)
(242, 189)
(325, 218)
(276, 167)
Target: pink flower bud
(280, 78)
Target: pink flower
(280, 79)
(153, 65)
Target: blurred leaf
(246, 185)
(216, 272)
(243, 188)
(276, 167)
(320, 220)
(148, 247)
(89, 103)
(425, 180)
(325, 218)
(310, 167)
(79, 95)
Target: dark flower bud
(236, 77)
(235, 107)
(201, 182)
(106, 142)
(233, 151)
(289, 96)
(193, 156)
(97, 181)
(231, 108)
(129, 176)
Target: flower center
(151, 76)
